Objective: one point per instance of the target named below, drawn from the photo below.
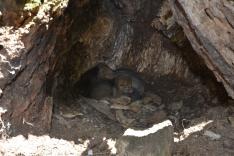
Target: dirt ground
(202, 125)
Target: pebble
(90, 152)
(212, 135)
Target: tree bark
(27, 59)
(120, 33)
(209, 26)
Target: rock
(123, 100)
(231, 120)
(90, 152)
(176, 105)
(212, 135)
(154, 141)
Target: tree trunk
(26, 61)
(209, 26)
(50, 49)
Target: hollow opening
(177, 84)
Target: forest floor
(202, 126)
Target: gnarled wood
(209, 25)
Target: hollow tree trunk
(38, 50)
(117, 32)
(209, 26)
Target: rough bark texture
(26, 61)
(120, 33)
(209, 27)
(35, 58)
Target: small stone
(231, 120)
(0, 91)
(80, 140)
(212, 135)
(176, 105)
(90, 152)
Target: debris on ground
(97, 127)
(212, 135)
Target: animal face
(124, 84)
